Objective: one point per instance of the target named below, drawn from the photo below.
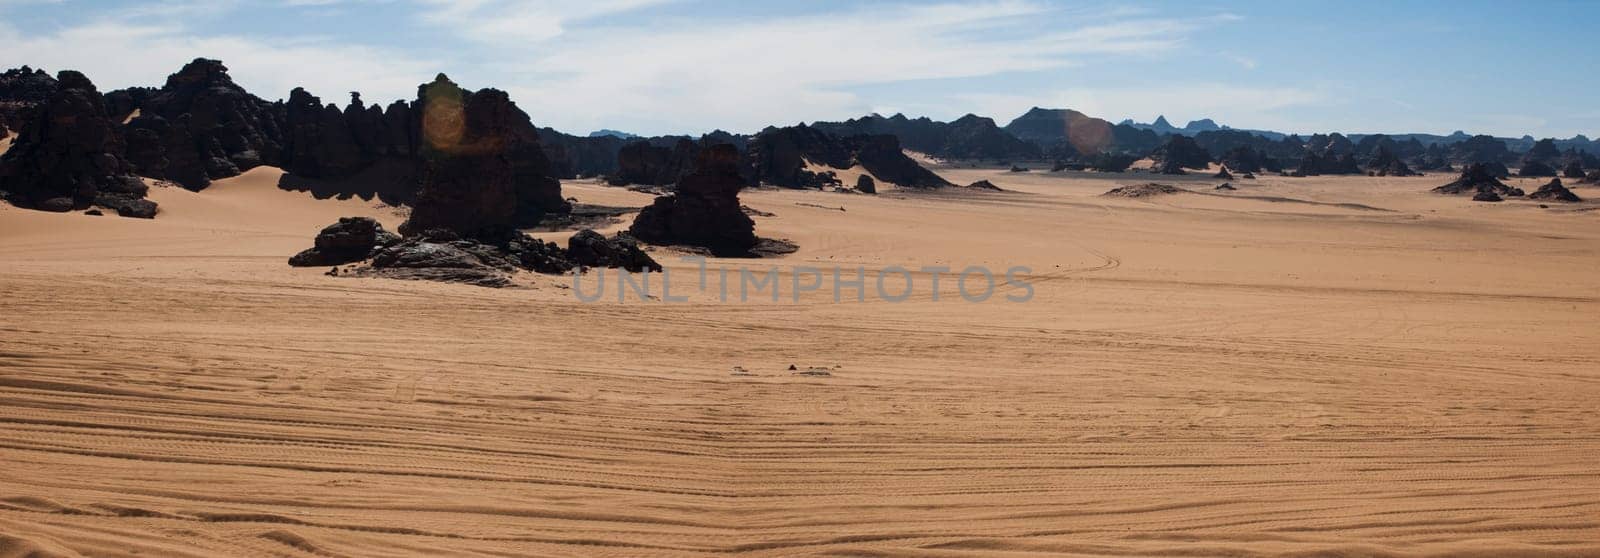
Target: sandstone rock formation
(1386, 163)
(1574, 169)
(352, 239)
(780, 156)
(1535, 168)
(1143, 191)
(704, 211)
(1486, 196)
(1181, 151)
(968, 137)
(591, 249)
(1478, 178)
(22, 90)
(643, 163)
(866, 185)
(200, 126)
(481, 164)
(1223, 174)
(1554, 191)
(68, 156)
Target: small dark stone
(94, 212)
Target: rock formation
(1169, 167)
(1181, 151)
(200, 126)
(1535, 168)
(1223, 174)
(352, 239)
(68, 156)
(968, 137)
(641, 162)
(984, 185)
(704, 211)
(1478, 178)
(1554, 191)
(591, 249)
(1225, 187)
(866, 185)
(481, 164)
(780, 156)
(1386, 163)
(21, 91)
(1486, 196)
(1143, 191)
(1574, 169)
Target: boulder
(1223, 174)
(984, 185)
(866, 185)
(1486, 196)
(1226, 187)
(591, 249)
(1555, 191)
(1015, 168)
(704, 211)
(69, 155)
(352, 239)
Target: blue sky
(689, 66)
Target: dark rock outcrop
(200, 126)
(1385, 163)
(591, 249)
(1554, 191)
(1183, 152)
(1476, 179)
(1486, 196)
(644, 163)
(352, 239)
(21, 91)
(68, 156)
(1574, 169)
(968, 137)
(984, 185)
(780, 156)
(1535, 168)
(1225, 187)
(704, 211)
(866, 185)
(1169, 167)
(1223, 174)
(1143, 191)
(482, 167)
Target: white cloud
(680, 75)
(520, 22)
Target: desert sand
(1336, 366)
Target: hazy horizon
(655, 67)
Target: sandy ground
(1326, 366)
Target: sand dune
(1206, 376)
